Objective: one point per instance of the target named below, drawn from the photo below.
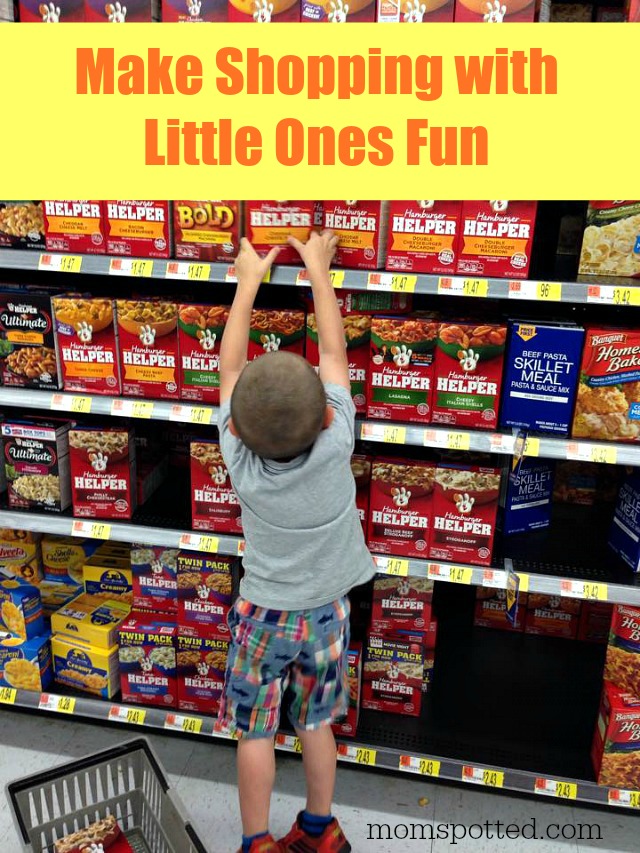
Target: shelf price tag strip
(91, 529)
(478, 287)
(483, 776)
(392, 565)
(188, 271)
(449, 440)
(136, 267)
(191, 414)
(538, 291)
(182, 723)
(394, 282)
(626, 799)
(607, 294)
(554, 788)
(357, 754)
(335, 276)
(60, 263)
(60, 704)
(8, 695)
(586, 452)
(422, 766)
(70, 403)
(584, 590)
(200, 542)
(386, 433)
(132, 408)
(452, 574)
(289, 742)
(121, 714)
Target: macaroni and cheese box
(74, 226)
(273, 329)
(400, 507)
(615, 752)
(148, 669)
(357, 334)
(423, 235)
(22, 222)
(595, 622)
(55, 594)
(348, 726)
(361, 228)
(29, 354)
(155, 578)
(269, 223)
(108, 578)
(468, 374)
(401, 603)
(622, 667)
(214, 503)
(23, 560)
(205, 587)
(8, 534)
(202, 662)
(84, 667)
(527, 496)
(103, 472)
(393, 675)
(611, 241)
(20, 612)
(138, 228)
(148, 348)
(193, 11)
(542, 369)
(361, 470)
(496, 237)
(27, 666)
(91, 621)
(37, 464)
(63, 557)
(207, 230)
(200, 329)
(624, 534)
(552, 616)
(491, 610)
(88, 344)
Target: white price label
(60, 704)
(494, 579)
(626, 799)
(336, 277)
(392, 565)
(221, 729)
(191, 414)
(70, 403)
(188, 271)
(446, 439)
(537, 291)
(478, 287)
(555, 788)
(125, 408)
(606, 294)
(483, 776)
(91, 529)
(136, 267)
(357, 754)
(584, 590)
(584, 451)
(60, 263)
(393, 282)
(133, 716)
(422, 766)
(501, 443)
(200, 542)
(182, 723)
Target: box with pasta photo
(214, 503)
(148, 348)
(103, 472)
(202, 662)
(22, 222)
(36, 459)
(28, 344)
(75, 226)
(200, 330)
(147, 655)
(205, 588)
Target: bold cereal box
(148, 348)
(20, 612)
(468, 374)
(338, 12)
(393, 675)
(400, 507)
(22, 560)
(273, 329)
(36, 457)
(202, 662)
(485, 11)
(527, 496)
(147, 655)
(29, 353)
(608, 402)
(491, 610)
(207, 230)
(87, 668)
(214, 503)
(200, 329)
(361, 470)
(194, 11)
(348, 726)
(155, 578)
(22, 222)
(88, 344)
(361, 228)
(74, 226)
(401, 603)
(423, 235)
(205, 586)
(27, 666)
(269, 223)
(611, 241)
(402, 368)
(624, 534)
(103, 472)
(134, 12)
(595, 622)
(496, 238)
(465, 505)
(615, 752)
(622, 667)
(552, 616)
(357, 333)
(264, 12)
(138, 228)
(415, 12)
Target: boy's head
(278, 406)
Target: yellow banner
(514, 111)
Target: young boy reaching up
(287, 436)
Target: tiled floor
(204, 773)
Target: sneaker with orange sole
(268, 844)
(332, 840)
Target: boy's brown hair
(278, 405)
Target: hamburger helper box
(29, 355)
(552, 616)
(495, 11)
(357, 333)
(595, 622)
(264, 11)
(274, 329)
(103, 472)
(347, 727)
(624, 534)
(622, 667)
(148, 348)
(134, 12)
(491, 610)
(207, 230)
(616, 742)
(139, 229)
(496, 238)
(361, 228)
(361, 470)
(338, 12)
(193, 11)
(205, 585)
(214, 503)
(74, 226)
(423, 235)
(269, 223)
(200, 329)
(415, 11)
(202, 663)
(155, 578)
(38, 12)
(401, 604)
(393, 675)
(147, 655)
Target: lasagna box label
(214, 503)
(423, 235)
(273, 329)
(200, 329)
(148, 669)
(496, 238)
(270, 223)
(393, 676)
(202, 663)
(357, 333)
(29, 356)
(361, 228)
(103, 472)
(148, 348)
(401, 603)
(74, 226)
(138, 228)
(207, 230)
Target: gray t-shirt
(304, 541)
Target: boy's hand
(250, 267)
(318, 252)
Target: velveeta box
(22, 222)
(29, 355)
(205, 586)
(401, 603)
(491, 610)
(269, 223)
(616, 741)
(91, 620)
(139, 229)
(20, 612)
(38, 12)
(611, 241)
(200, 330)
(207, 230)
(27, 666)
(194, 11)
(263, 11)
(400, 507)
(622, 667)
(496, 238)
(214, 503)
(357, 333)
(103, 472)
(88, 344)
(361, 228)
(348, 726)
(393, 675)
(487, 12)
(202, 663)
(74, 226)
(23, 560)
(134, 12)
(8, 534)
(83, 667)
(64, 556)
(552, 616)
(148, 348)
(423, 235)
(147, 656)
(274, 329)
(338, 12)
(361, 470)
(155, 578)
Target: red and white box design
(148, 348)
(357, 333)
(622, 666)
(274, 329)
(138, 229)
(74, 226)
(214, 504)
(147, 654)
(615, 752)
(207, 230)
(202, 662)
(361, 228)
(264, 11)
(205, 585)
(131, 12)
(494, 11)
(154, 572)
(194, 11)
(338, 11)
(401, 604)
(465, 506)
(491, 610)
(552, 616)
(39, 12)
(496, 238)
(103, 472)
(361, 470)
(400, 507)
(423, 235)
(393, 675)
(270, 223)
(200, 329)
(349, 725)
(415, 11)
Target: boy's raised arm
(250, 270)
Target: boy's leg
(256, 777)
(319, 759)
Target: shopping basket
(127, 782)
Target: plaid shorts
(302, 653)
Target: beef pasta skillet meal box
(214, 503)
(542, 369)
(39, 12)
(401, 603)
(269, 223)
(147, 656)
(103, 472)
(624, 534)
(205, 586)
(357, 333)
(361, 228)
(393, 675)
(202, 663)
(611, 241)
(28, 346)
(22, 222)
(528, 492)
(200, 329)
(400, 507)
(608, 401)
(139, 229)
(491, 610)
(155, 578)
(615, 752)
(273, 329)
(194, 11)
(496, 238)
(338, 11)
(423, 235)
(264, 11)
(148, 348)
(622, 667)
(27, 666)
(207, 230)
(74, 226)
(402, 368)
(88, 344)
(348, 726)
(361, 470)
(468, 374)
(20, 612)
(465, 505)
(36, 456)
(415, 12)
(83, 667)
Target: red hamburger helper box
(103, 472)
(207, 230)
(65, 12)
(423, 235)
(264, 11)
(269, 223)
(200, 329)
(193, 11)
(401, 604)
(154, 572)
(393, 675)
(147, 654)
(139, 229)
(495, 11)
(148, 348)
(552, 616)
(338, 11)
(361, 227)
(133, 11)
(74, 226)
(274, 329)
(348, 726)
(615, 752)
(496, 238)
(202, 662)
(357, 333)
(361, 470)
(205, 585)
(214, 503)
(415, 11)
(400, 507)
(491, 610)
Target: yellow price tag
(336, 277)
(141, 268)
(460, 574)
(100, 531)
(200, 415)
(626, 295)
(81, 405)
(394, 434)
(550, 291)
(493, 778)
(365, 756)
(198, 272)
(524, 583)
(397, 567)
(554, 788)
(567, 790)
(66, 704)
(136, 716)
(403, 283)
(192, 725)
(141, 409)
(289, 742)
(596, 591)
(458, 441)
(634, 799)
(475, 287)
(70, 263)
(209, 543)
(483, 776)
(8, 695)
(603, 454)
(532, 446)
(626, 799)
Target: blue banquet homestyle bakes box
(527, 496)
(624, 536)
(542, 369)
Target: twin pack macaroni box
(624, 535)
(148, 661)
(542, 369)
(527, 495)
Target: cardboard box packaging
(361, 470)
(103, 472)
(595, 622)
(393, 675)
(415, 12)
(147, 656)
(133, 12)
(207, 230)
(491, 610)
(29, 356)
(148, 348)
(214, 503)
(205, 585)
(357, 333)
(22, 222)
(37, 464)
(272, 330)
(108, 578)
(198, 12)
(552, 616)
(63, 557)
(22, 560)
(269, 223)
(339, 12)
(155, 578)
(611, 241)
(263, 12)
(200, 330)
(202, 662)
(624, 534)
(139, 229)
(349, 725)
(496, 12)
(622, 667)
(527, 498)
(361, 228)
(496, 238)
(20, 612)
(615, 752)
(423, 235)
(74, 226)
(55, 594)
(87, 668)
(401, 604)
(91, 621)
(27, 666)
